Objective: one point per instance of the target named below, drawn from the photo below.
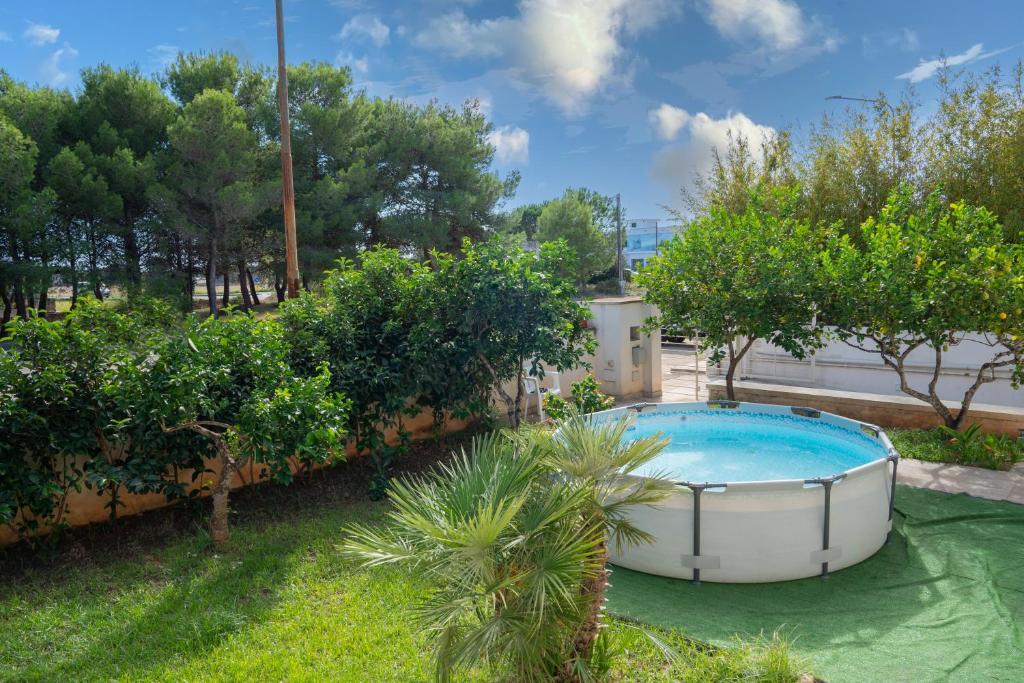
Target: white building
(643, 238)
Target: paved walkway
(974, 481)
(678, 369)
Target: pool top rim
(725, 407)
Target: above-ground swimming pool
(764, 492)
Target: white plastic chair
(532, 387)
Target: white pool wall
(764, 531)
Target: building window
(632, 225)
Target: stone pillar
(628, 362)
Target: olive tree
(930, 278)
(734, 278)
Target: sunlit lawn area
(155, 602)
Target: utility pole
(291, 255)
(618, 251)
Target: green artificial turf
(944, 601)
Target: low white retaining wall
(839, 366)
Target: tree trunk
(511, 404)
(41, 304)
(252, 288)
(190, 284)
(219, 520)
(734, 363)
(243, 284)
(72, 266)
(279, 288)
(8, 307)
(932, 397)
(586, 633)
(19, 301)
(226, 299)
(211, 278)
(132, 256)
(305, 282)
(519, 397)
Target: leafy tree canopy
(930, 278)
(738, 277)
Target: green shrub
(122, 402)
(510, 311)
(967, 447)
(64, 423)
(586, 398)
(513, 540)
(370, 327)
(228, 380)
(401, 336)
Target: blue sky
(622, 96)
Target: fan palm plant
(598, 457)
(505, 547)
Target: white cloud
(164, 54)
(455, 34)
(668, 120)
(905, 40)
(359, 65)
(511, 145)
(776, 34)
(5, 37)
(368, 25)
(569, 49)
(40, 34)
(777, 23)
(677, 165)
(928, 68)
(773, 36)
(51, 69)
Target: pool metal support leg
(824, 539)
(696, 531)
(894, 458)
(698, 489)
(826, 483)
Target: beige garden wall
(88, 507)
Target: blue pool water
(719, 446)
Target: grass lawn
(151, 600)
(933, 446)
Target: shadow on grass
(208, 598)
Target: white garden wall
(839, 366)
